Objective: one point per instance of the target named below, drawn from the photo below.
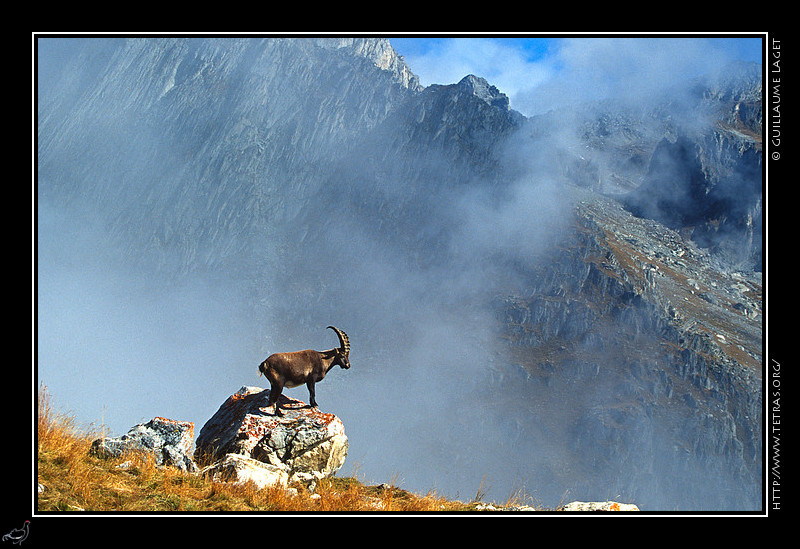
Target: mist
(635, 71)
(152, 304)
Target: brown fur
(299, 367)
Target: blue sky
(533, 71)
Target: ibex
(309, 367)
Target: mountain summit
(483, 90)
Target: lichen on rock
(305, 444)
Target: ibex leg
(274, 393)
(312, 401)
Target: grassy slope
(75, 480)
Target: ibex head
(343, 351)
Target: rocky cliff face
(662, 350)
(711, 190)
(545, 262)
(206, 138)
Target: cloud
(542, 74)
(627, 68)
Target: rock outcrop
(599, 506)
(244, 441)
(240, 469)
(169, 442)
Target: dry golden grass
(76, 480)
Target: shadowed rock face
(710, 188)
(305, 443)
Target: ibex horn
(343, 339)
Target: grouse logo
(18, 535)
